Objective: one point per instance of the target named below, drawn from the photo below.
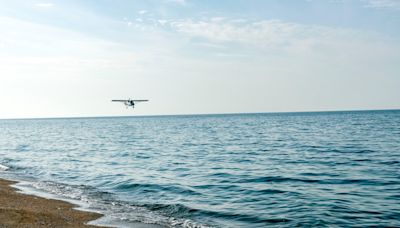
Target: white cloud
(35, 46)
(383, 4)
(44, 5)
(302, 54)
(181, 2)
(162, 22)
(265, 33)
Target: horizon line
(202, 114)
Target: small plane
(129, 102)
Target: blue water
(251, 170)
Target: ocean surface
(321, 169)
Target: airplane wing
(119, 100)
(129, 100)
(139, 100)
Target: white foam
(3, 167)
(49, 191)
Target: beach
(21, 210)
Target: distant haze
(71, 58)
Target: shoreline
(22, 210)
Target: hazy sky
(70, 58)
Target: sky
(71, 58)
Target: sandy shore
(20, 210)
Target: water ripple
(334, 169)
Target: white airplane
(129, 102)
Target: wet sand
(20, 210)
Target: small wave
(389, 162)
(126, 186)
(22, 148)
(182, 211)
(276, 179)
(116, 211)
(319, 174)
(279, 179)
(3, 167)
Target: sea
(305, 169)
